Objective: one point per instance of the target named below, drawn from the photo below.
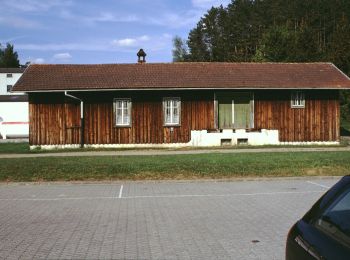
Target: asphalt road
(153, 220)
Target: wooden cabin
(183, 104)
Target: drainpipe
(81, 118)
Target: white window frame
(297, 99)
(9, 75)
(9, 88)
(128, 111)
(233, 112)
(172, 121)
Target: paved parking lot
(153, 220)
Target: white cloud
(37, 61)
(61, 46)
(34, 5)
(65, 56)
(11, 39)
(101, 45)
(167, 36)
(125, 42)
(186, 18)
(149, 44)
(18, 22)
(176, 20)
(131, 42)
(144, 38)
(167, 19)
(108, 17)
(100, 18)
(206, 4)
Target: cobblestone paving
(153, 220)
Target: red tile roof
(194, 75)
(12, 70)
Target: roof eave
(177, 88)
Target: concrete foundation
(234, 137)
(204, 138)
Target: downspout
(81, 118)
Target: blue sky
(97, 31)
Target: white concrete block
(202, 138)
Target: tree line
(272, 31)
(8, 57)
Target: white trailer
(14, 116)
(14, 121)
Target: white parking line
(120, 192)
(320, 185)
(223, 195)
(166, 196)
(56, 199)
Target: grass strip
(175, 166)
(14, 148)
(23, 148)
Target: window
(9, 88)
(298, 99)
(334, 221)
(122, 108)
(172, 110)
(9, 75)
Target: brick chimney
(141, 56)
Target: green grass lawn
(14, 148)
(175, 166)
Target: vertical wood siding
(147, 122)
(57, 123)
(318, 121)
(57, 120)
(54, 124)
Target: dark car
(324, 232)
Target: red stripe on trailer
(15, 123)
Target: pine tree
(273, 30)
(8, 57)
(277, 44)
(197, 43)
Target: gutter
(174, 88)
(81, 117)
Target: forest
(273, 31)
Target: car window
(334, 221)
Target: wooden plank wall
(55, 119)
(318, 121)
(56, 122)
(147, 121)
